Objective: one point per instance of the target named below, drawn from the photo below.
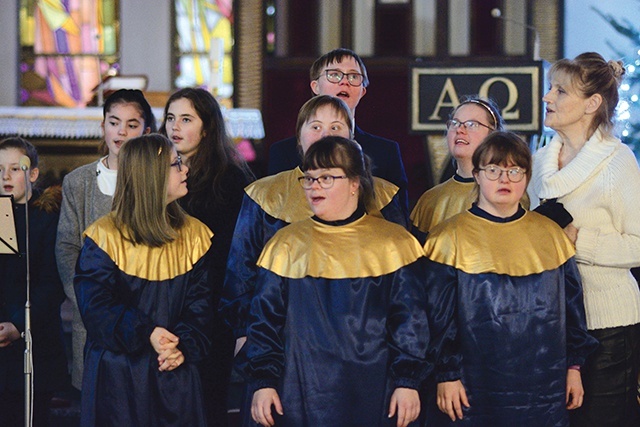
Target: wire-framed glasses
(493, 173)
(336, 76)
(469, 125)
(177, 164)
(324, 181)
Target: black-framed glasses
(469, 125)
(324, 181)
(177, 164)
(336, 76)
(493, 173)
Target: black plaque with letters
(517, 88)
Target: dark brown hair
(346, 154)
(215, 152)
(333, 57)
(23, 145)
(502, 148)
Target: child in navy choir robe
(274, 202)
(337, 331)
(505, 300)
(469, 124)
(141, 286)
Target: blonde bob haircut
(140, 209)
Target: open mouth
(342, 94)
(7, 188)
(461, 141)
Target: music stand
(8, 239)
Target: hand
(451, 395)
(161, 339)
(575, 392)
(8, 334)
(407, 401)
(572, 233)
(261, 406)
(166, 345)
(170, 359)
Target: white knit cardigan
(600, 187)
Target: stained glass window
(204, 35)
(66, 46)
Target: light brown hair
(140, 204)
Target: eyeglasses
(335, 76)
(324, 181)
(177, 164)
(469, 125)
(493, 173)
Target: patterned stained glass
(204, 38)
(66, 47)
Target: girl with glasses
(505, 304)
(337, 335)
(470, 122)
(141, 286)
(274, 202)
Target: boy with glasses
(341, 73)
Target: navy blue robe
(270, 204)
(337, 322)
(506, 309)
(124, 291)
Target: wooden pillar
(249, 53)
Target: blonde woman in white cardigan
(597, 179)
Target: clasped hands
(166, 345)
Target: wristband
(576, 367)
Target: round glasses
(324, 181)
(469, 125)
(336, 76)
(493, 173)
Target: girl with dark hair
(87, 193)
(141, 286)
(596, 177)
(193, 121)
(505, 301)
(46, 293)
(276, 201)
(337, 335)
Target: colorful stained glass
(205, 45)
(66, 47)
